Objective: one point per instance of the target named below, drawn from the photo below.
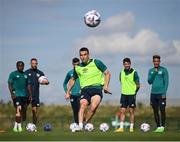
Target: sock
(121, 124)
(81, 125)
(131, 125)
(15, 125)
(19, 125)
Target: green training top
(159, 80)
(75, 91)
(90, 74)
(19, 81)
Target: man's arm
(30, 92)
(106, 81)
(137, 81)
(10, 86)
(70, 85)
(66, 80)
(166, 81)
(151, 76)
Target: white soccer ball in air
(89, 127)
(145, 127)
(92, 18)
(42, 79)
(31, 127)
(104, 127)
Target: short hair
(84, 49)
(33, 59)
(156, 56)
(126, 60)
(19, 62)
(75, 60)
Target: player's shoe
(77, 129)
(20, 129)
(159, 130)
(131, 130)
(15, 129)
(119, 130)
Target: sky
(53, 31)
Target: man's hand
(106, 90)
(67, 96)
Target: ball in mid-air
(92, 18)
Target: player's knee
(18, 111)
(34, 110)
(122, 110)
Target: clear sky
(53, 31)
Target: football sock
(131, 125)
(121, 124)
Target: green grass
(61, 116)
(57, 134)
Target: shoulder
(39, 71)
(28, 71)
(13, 73)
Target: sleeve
(66, 80)
(136, 78)
(42, 74)
(151, 76)
(10, 79)
(75, 76)
(100, 65)
(166, 80)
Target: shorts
(128, 101)
(35, 101)
(88, 92)
(20, 101)
(158, 101)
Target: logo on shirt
(25, 76)
(38, 75)
(29, 74)
(17, 76)
(85, 70)
(159, 72)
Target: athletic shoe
(159, 130)
(15, 129)
(119, 130)
(131, 130)
(20, 129)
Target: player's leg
(132, 106)
(95, 101)
(83, 105)
(155, 107)
(163, 113)
(24, 109)
(123, 106)
(75, 107)
(35, 105)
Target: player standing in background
(18, 83)
(93, 77)
(158, 77)
(33, 74)
(130, 85)
(75, 91)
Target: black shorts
(88, 92)
(20, 101)
(35, 101)
(128, 101)
(157, 100)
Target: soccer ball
(47, 127)
(145, 127)
(41, 79)
(92, 18)
(104, 127)
(73, 127)
(89, 127)
(31, 127)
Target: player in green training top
(18, 84)
(130, 85)
(75, 92)
(93, 77)
(158, 77)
